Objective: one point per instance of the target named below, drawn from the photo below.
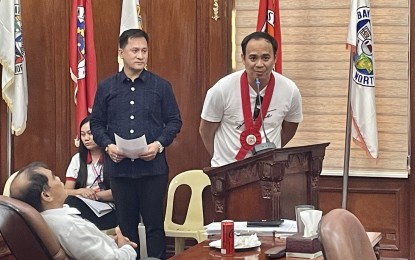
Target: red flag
(82, 59)
(269, 21)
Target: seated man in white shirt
(36, 185)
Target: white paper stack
(287, 227)
(99, 208)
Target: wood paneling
(45, 38)
(191, 52)
(107, 14)
(380, 204)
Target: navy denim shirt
(132, 109)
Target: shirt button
(132, 102)
(131, 117)
(132, 88)
(132, 160)
(132, 131)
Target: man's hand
(122, 240)
(114, 154)
(151, 153)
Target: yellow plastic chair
(6, 190)
(193, 226)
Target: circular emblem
(251, 139)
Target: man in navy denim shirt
(130, 104)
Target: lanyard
(98, 175)
(251, 135)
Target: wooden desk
(202, 251)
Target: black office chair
(26, 233)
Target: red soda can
(227, 238)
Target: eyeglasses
(257, 109)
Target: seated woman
(85, 178)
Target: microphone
(262, 147)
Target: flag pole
(347, 138)
(9, 143)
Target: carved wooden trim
(268, 170)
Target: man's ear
(120, 52)
(46, 196)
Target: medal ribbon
(251, 127)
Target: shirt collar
(143, 75)
(89, 158)
(65, 210)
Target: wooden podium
(268, 185)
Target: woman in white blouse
(85, 178)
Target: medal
(251, 135)
(251, 139)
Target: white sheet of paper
(288, 226)
(99, 208)
(131, 148)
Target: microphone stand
(262, 147)
(268, 144)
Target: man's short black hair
(36, 184)
(257, 36)
(130, 34)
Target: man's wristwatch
(107, 147)
(161, 147)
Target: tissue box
(299, 244)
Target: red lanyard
(251, 135)
(97, 175)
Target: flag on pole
(13, 61)
(130, 19)
(269, 21)
(363, 106)
(82, 59)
